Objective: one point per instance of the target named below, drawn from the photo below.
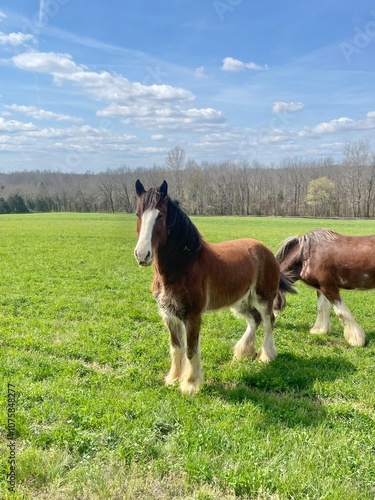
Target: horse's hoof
(357, 340)
(318, 331)
(248, 355)
(265, 357)
(190, 387)
(170, 379)
(240, 353)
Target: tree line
(295, 187)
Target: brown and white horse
(193, 276)
(328, 262)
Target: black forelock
(150, 199)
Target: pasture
(86, 350)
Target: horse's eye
(159, 216)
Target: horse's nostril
(148, 255)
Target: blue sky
(94, 85)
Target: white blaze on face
(143, 250)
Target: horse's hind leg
(267, 352)
(177, 348)
(256, 311)
(323, 322)
(245, 347)
(353, 333)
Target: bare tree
(125, 181)
(175, 163)
(107, 186)
(356, 162)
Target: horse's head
(152, 216)
(289, 258)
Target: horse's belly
(357, 281)
(339, 275)
(219, 297)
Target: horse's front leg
(353, 333)
(323, 321)
(192, 374)
(177, 348)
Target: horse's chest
(169, 301)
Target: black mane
(183, 239)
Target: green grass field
(83, 344)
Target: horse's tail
(286, 283)
(285, 286)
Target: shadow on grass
(284, 388)
(291, 326)
(370, 338)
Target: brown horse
(328, 262)
(193, 276)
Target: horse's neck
(173, 258)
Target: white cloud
(46, 62)
(332, 126)
(2, 15)
(339, 125)
(287, 107)
(151, 106)
(199, 72)
(152, 150)
(148, 106)
(231, 64)
(41, 114)
(157, 137)
(100, 85)
(152, 115)
(15, 39)
(15, 126)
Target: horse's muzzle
(143, 260)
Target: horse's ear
(164, 189)
(139, 187)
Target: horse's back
(246, 250)
(355, 252)
(346, 262)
